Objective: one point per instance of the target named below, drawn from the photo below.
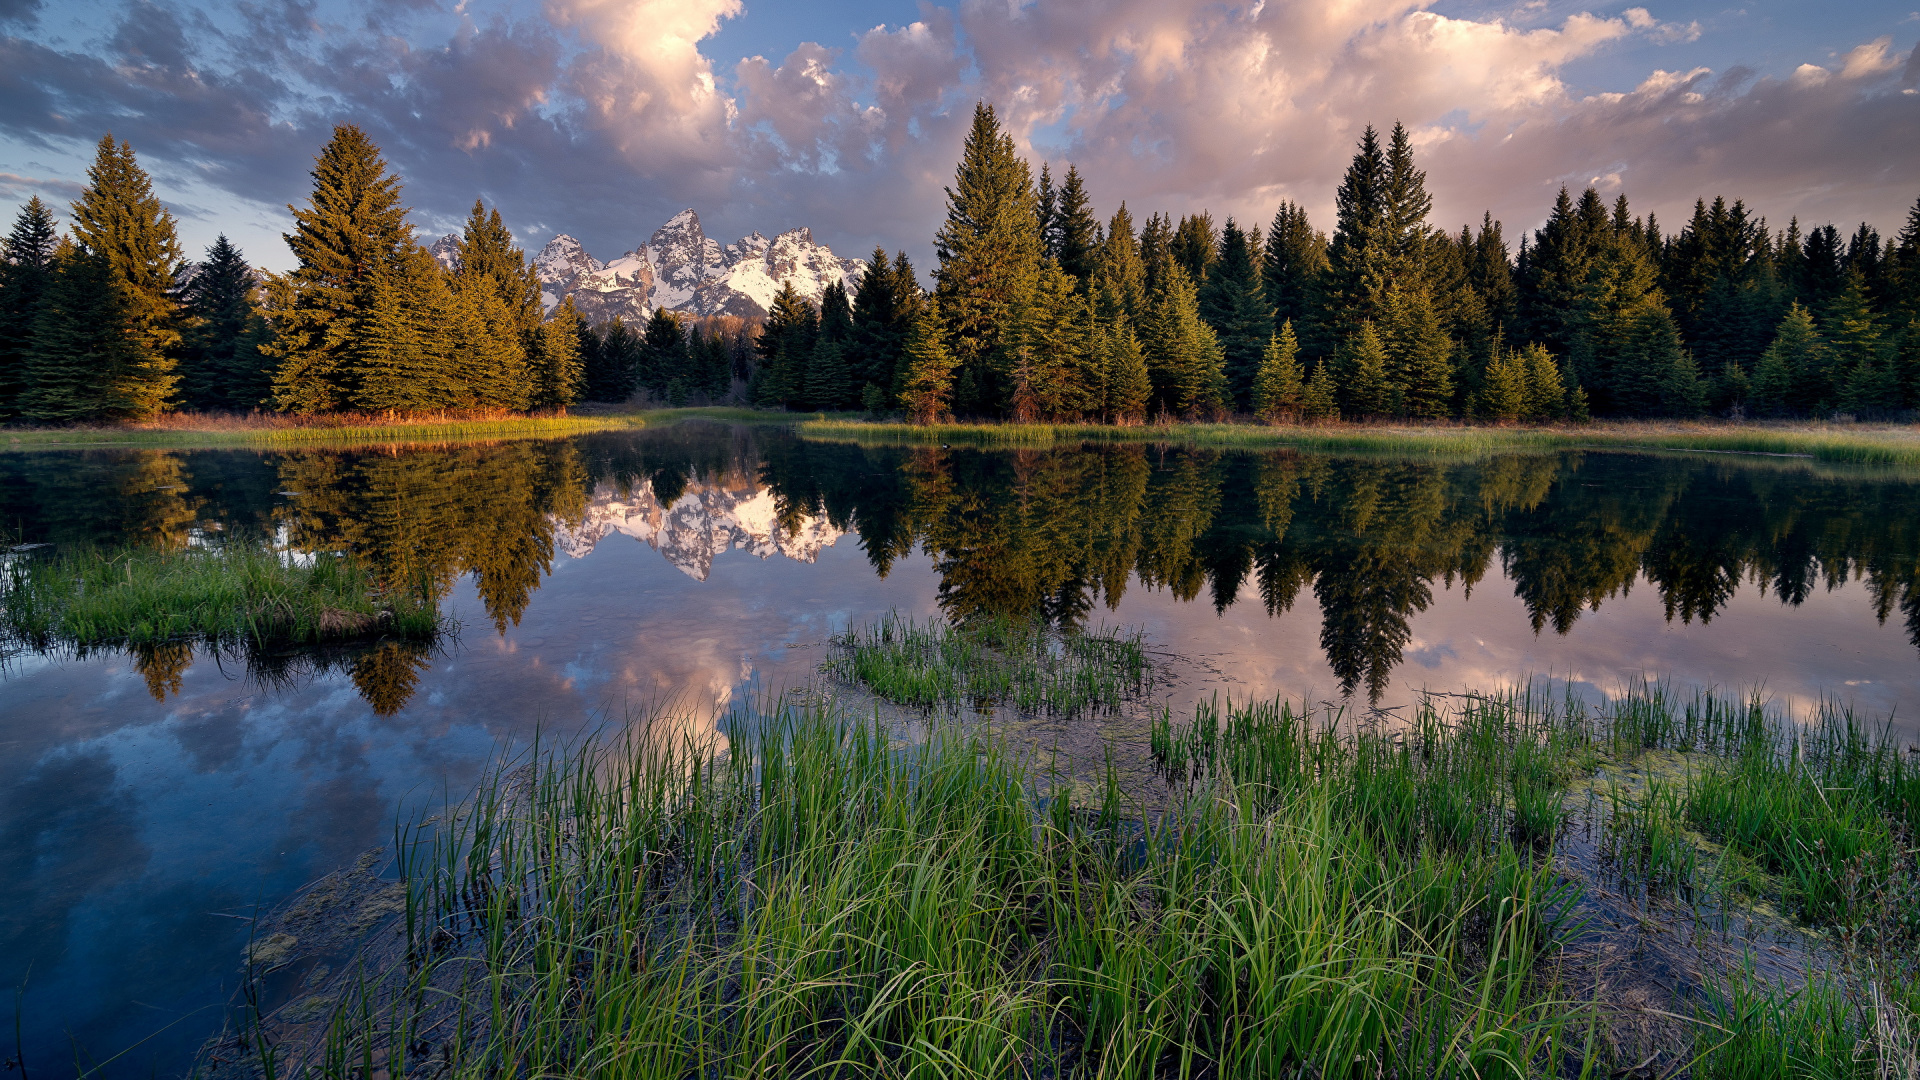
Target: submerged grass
(1888, 444)
(135, 597)
(993, 661)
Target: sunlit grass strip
(993, 661)
(313, 434)
(240, 594)
(1883, 445)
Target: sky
(602, 118)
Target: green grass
(993, 661)
(1858, 444)
(219, 432)
(236, 594)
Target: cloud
(603, 117)
(21, 188)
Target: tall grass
(236, 593)
(277, 431)
(993, 661)
(1859, 444)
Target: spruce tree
(1404, 210)
(990, 251)
(119, 218)
(79, 332)
(828, 387)
(1292, 265)
(1682, 393)
(1795, 372)
(1128, 388)
(348, 239)
(926, 385)
(26, 269)
(1056, 368)
(1118, 266)
(1365, 389)
(1182, 352)
(1076, 231)
(556, 371)
(614, 371)
(221, 364)
(785, 350)
(487, 260)
(1156, 255)
(1503, 396)
(1318, 400)
(663, 352)
(1856, 348)
(1360, 255)
(1647, 354)
(1277, 388)
(1231, 302)
(1557, 267)
(873, 352)
(1195, 246)
(1903, 269)
(1047, 213)
(1419, 356)
(401, 356)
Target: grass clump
(993, 661)
(239, 594)
(821, 901)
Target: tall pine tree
(26, 269)
(119, 218)
(990, 252)
(1232, 302)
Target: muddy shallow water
(155, 800)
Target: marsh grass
(993, 661)
(1890, 444)
(275, 430)
(231, 594)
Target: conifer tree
(1419, 356)
(926, 390)
(990, 252)
(1128, 388)
(1404, 210)
(1231, 302)
(1076, 231)
(1182, 353)
(1365, 388)
(1119, 268)
(1277, 388)
(1156, 254)
(119, 218)
(1681, 392)
(401, 356)
(663, 352)
(79, 332)
(1547, 392)
(1794, 373)
(1047, 212)
(1056, 366)
(1194, 246)
(1903, 269)
(1292, 265)
(1649, 360)
(348, 240)
(26, 270)
(1359, 257)
(221, 364)
(1857, 349)
(873, 351)
(1318, 400)
(1504, 392)
(487, 261)
(556, 371)
(785, 350)
(828, 386)
(1563, 252)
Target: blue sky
(601, 118)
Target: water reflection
(1060, 534)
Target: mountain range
(680, 269)
(704, 521)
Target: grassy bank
(1862, 443)
(141, 597)
(992, 662)
(279, 432)
(825, 899)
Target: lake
(155, 799)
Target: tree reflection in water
(1055, 534)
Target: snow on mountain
(681, 269)
(446, 250)
(703, 523)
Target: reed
(993, 661)
(239, 594)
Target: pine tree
(1419, 356)
(1128, 388)
(828, 386)
(1564, 251)
(400, 357)
(1231, 303)
(1278, 387)
(1903, 269)
(873, 352)
(556, 371)
(221, 366)
(1056, 366)
(1504, 393)
(1681, 392)
(663, 352)
(119, 218)
(1317, 400)
(347, 239)
(79, 331)
(1156, 255)
(785, 350)
(1292, 266)
(927, 381)
(1795, 372)
(488, 261)
(1404, 212)
(1857, 349)
(1547, 394)
(1359, 258)
(990, 252)
(1117, 264)
(1365, 388)
(26, 270)
(1195, 246)
(1647, 355)
(1076, 231)
(1047, 213)
(1182, 353)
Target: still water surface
(152, 798)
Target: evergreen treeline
(110, 322)
(1040, 311)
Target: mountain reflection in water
(1059, 533)
(156, 796)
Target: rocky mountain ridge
(705, 521)
(681, 269)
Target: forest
(1038, 311)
